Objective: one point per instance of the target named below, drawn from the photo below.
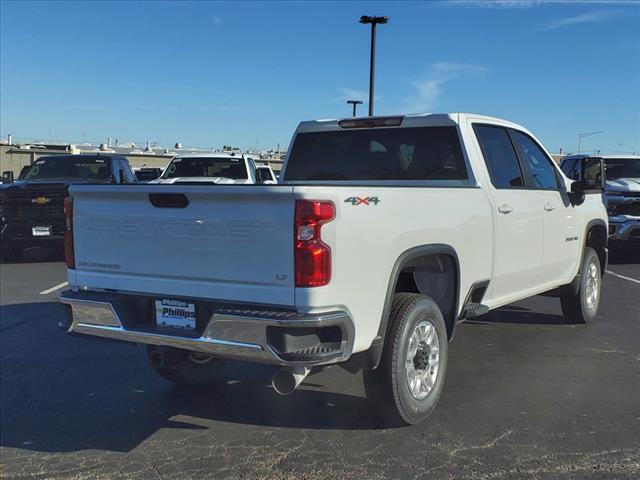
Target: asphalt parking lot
(527, 396)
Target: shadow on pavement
(519, 315)
(624, 254)
(62, 393)
(36, 255)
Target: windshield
(78, 167)
(232, 168)
(422, 153)
(622, 168)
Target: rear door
(518, 216)
(231, 243)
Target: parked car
(146, 174)
(621, 196)
(383, 234)
(210, 168)
(32, 207)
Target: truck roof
(620, 157)
(211, 155)
(611, 156)
(75, 156)
(412, 120)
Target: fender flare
(590, 224)
(375, 351)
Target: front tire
(408, 382)
(183, 367)
(582, 306)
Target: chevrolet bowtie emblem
(41, 200)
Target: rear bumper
(12, 235)
(235, 333)
(623, 228)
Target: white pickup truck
(382, 235)
(213, 168)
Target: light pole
(373, 21)
(586, 134)
(354, 103)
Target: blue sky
(208, 74)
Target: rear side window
(421, 153)
(499, 156)
(543, 173)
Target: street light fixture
(586, 134)
(373, 21)
(354, 103)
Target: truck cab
(210, 168)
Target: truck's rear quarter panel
(366, 241)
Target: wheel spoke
(423, 332)
(417, 385)
(430, 331)
(428, 382)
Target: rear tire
(408, 382)
(582, 307)
(183, 367)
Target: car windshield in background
(622, 168)
(425, 153)
(232, 168)
(69, 168)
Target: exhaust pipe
(286, 380)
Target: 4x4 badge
(363, 200)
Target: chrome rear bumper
(239, 334)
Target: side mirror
(7, 177)
(590, 176)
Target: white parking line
(62, 285)
(623, 277)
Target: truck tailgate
(229, 243)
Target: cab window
(542, 173)
(499, 156)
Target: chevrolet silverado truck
(31, 208)
(211, 168)
(621, 195)
(383, 234)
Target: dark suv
(32, 208)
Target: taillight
(69, 255)
(312, 255)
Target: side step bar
(474, 310)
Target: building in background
(13, 157)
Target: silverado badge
(41, 200)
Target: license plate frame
(41, 231)
(174, 313)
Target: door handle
(504, 208)
(549, 207)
